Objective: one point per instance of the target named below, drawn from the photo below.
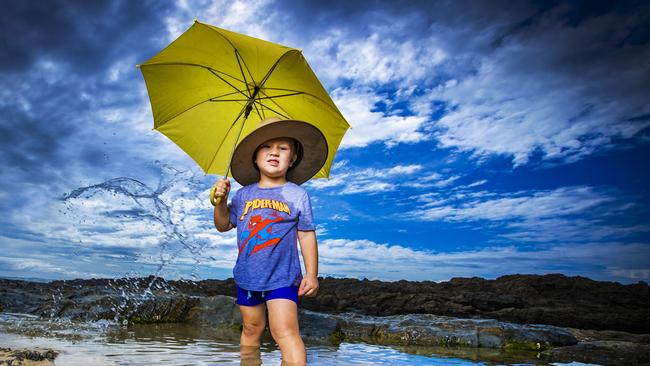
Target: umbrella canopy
(211, 87)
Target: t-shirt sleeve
(232, 207)
(306, 218)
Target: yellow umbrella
(211, 87)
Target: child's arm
(309, 247)
(221, 211)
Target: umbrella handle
(247, 110)
(215, 201)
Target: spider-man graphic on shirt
(259, 233)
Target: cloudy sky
(489, 138)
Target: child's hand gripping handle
(219, 192)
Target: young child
(270, 212)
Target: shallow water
(105, 343)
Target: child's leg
(283, 321)
(253, 323)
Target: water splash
(126, 204)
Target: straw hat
(312, 152)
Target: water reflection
(179, 344)
(104, 343)
(250, 356)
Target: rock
(320, 327)
(222, 312)
(605, 348)
(404, 330)
(155, 309)
(552, 299)
(91, 300)
(215, 311)
(427, 330)
(18, 357)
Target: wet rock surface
(34, 356)
(427, 330)
(605, 348)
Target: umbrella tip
(196, 20)
(138, 65)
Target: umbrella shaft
(247, 111)
(249, 106)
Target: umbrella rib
(266, 77)
(273, 101)
(228, 100)
(285, 89)
(313, 96)
(268, 74)
(214, 72)
(224, 73)
(242, 71)
(217, 30)
(280, 96)
(213, 99)
(188, 64)
(257, 110)
(224, 80)
(274, 111)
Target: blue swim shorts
(252, 298)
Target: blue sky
(488, 138)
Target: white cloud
(562, 229)
(378, 58)
(251, 17)
(477, 183)
(364, 258)
(42, 265)
(403, 170)
(358, 105)
(340, 217)
(446, 182)
(577, 214)
(631, 273)
(555, 89)
(430, 177)
(367, 180)
(537, 204)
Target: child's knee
(282, 332)
(253, 329)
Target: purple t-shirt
(267, 221)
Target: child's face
(274, 157)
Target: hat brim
(313, 141)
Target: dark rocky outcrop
(552, 299)
(526, 299)
(133, 301)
